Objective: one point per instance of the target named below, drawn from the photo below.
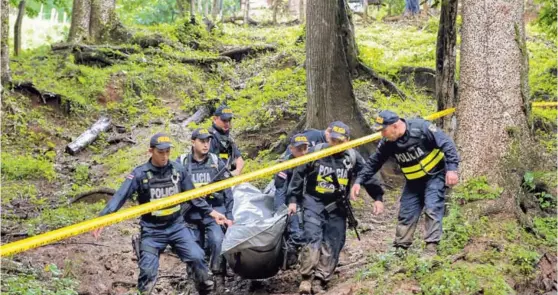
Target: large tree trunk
(6, 76)
(331, 59)
(493, 86)
(275, 7)
(17, 27)
(445, 64)
(217, 7)
(193, 11)
(81, 16)
(246, 12)
(92, 20)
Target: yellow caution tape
(88, 225)
(542, 104)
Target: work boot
(206, 287)
(431, 250)
(305, 287)
(317, 286)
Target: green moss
(50, 281)
(462, 279)
(17, 167)
(547, 228)
(18, 191)
(477, 188)
(63, 216)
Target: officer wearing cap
(318, 186)
(428, 159)
(156, 179)
(298, 147)
(222, 144)
(314, 137)
(206, 167)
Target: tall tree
(445, 63)
(493, 86)
(6, 76)
(92, 20)
(17, 27)
(301, 10)
(331, 62)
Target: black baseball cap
(299, 139)
(384, 119)
(224, 112)
(160, 141)
(339, 130)
(201, 133)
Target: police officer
(298, 147)
(206, 167)
(314, 137)
(429, 161)
(319, 186)
(222, 144)
(156, 179)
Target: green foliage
(457, 232)
(547, 16)
(147, 12)
(547, 228)
(545, 180)
(62, 216)
(17, 167)
(81, 175)
(522, 261)
(15, 190)
(465, 279)
(477, 188)
(52, 281)
(542, 59)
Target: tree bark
(216, 11)
(493, 87)
(6, 75)
(81, 16)
(275, 8)
(331, 61)
(92, 20)
(365, 11)
(246, 12)
(17, 27)
(193, 11)
(445, 64)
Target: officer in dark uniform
(319, 186)
(205, 167)
(222, 144)
(160, 178)
(428, 159)
(314, 137)
(297, 147)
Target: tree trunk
(193, 11)
(275, 9)
(6, 76)
(493, 86)
(81, 16)
(445, 64)
(246, 12)
(216, 10)
(331, 59)
(365, 11)
(301, 10)
(17, 27)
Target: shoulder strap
(319, 146)
(352, 157)
(213, 160)
(182, 160)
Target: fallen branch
(103, 190)
(200, 115)
(120, 138)
(84, 48)
(87, 137)
(390, 86)
(28, 88)
(239, 54)
(78, 243)
(189, 60)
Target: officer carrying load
(322, 187)
(297, 147)
(156, 179)
(206, 167)
(429, 161)
(222, 144)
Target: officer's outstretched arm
(239, 162)
(375, 162)
(130, 185)
(372, 185)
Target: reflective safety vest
(324, 183)
(224, 143)
(417, 157)
(156, 187)
(202, 175)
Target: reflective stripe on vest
(424, 166)
(224, 156)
